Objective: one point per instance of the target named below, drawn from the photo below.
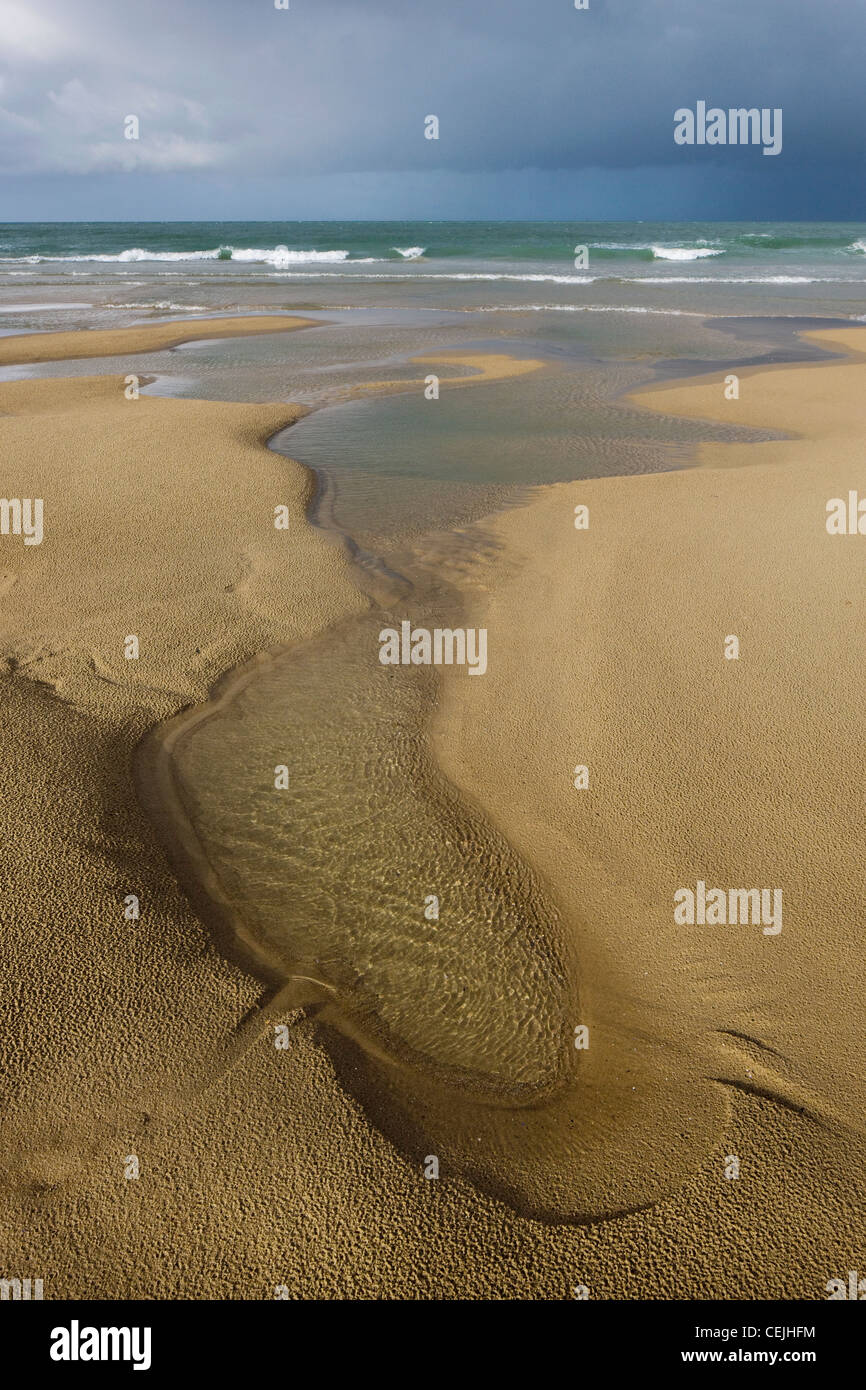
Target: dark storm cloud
(236, 89)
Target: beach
(303, 1166)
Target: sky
(246, 111)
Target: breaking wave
(684, 253)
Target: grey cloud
(239, 88)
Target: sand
(609, 650)
(24, 348)
(259, 1167)
(479, 367)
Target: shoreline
(24, 349)
(642, 397)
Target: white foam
(276, 255)
(733, 280)
(584, 309)
(135, 253)
(684, 253)
(455, 275)
(163, 304)
(410, 253)
(281, 255)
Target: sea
(608, 306)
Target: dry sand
(257, 1167)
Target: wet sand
(610, 653)
(304, 1166)
(22, 348)
(482, 366)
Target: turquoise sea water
(654, 269)
(827, 247)
(660, 270)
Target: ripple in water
(457, 1034)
